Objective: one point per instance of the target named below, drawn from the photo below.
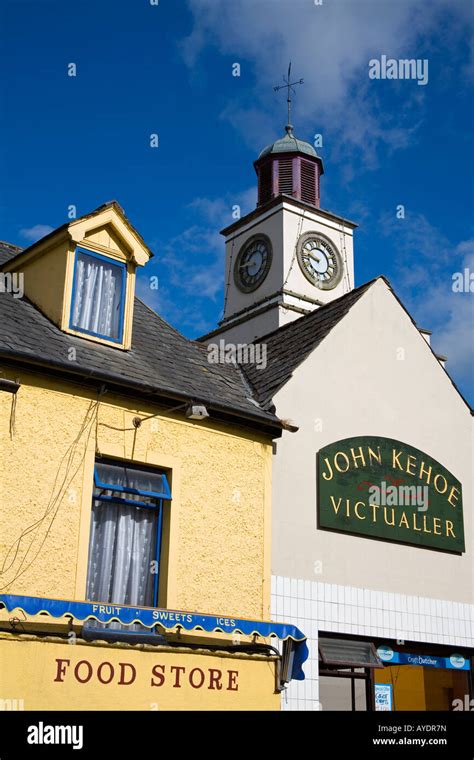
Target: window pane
(123, 539)
(131, 478)
(349, 653)
(121, 551)
(335, 693)
(97, 296)
(360, 691)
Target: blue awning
(168, 620)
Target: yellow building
(135, 492)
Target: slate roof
(161, 363)
(290, 345)
(8, 251)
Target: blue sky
(167, 69)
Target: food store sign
(383, 488)
(50, 674)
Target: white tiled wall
(316, 606)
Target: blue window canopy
(164, 620)
(139, 488)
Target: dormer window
(98, 295)
(82, 275)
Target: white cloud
(192, 263)
(195, 258)
(330, 46)
(38, 231)
(426, 288)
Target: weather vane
(289, 87)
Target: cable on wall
(343, 249)
(231, 258)
(298, 234)
(55, 501)
(13, 413)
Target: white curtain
(98, 288)
(122, 543)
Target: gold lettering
(357, 511)
(415, 523)
(336, 509)
(438, 477)
(425, 472)
(403, 521)
(331, 474)
(385, 517)
(374, 513)
(348, 508)
(346, 460)
(449, 528)
(425, 529)
(360, 456)
(373, 455)
(395, 459)
(436, 524)
(451, 495)
(411, 463)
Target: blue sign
(453, 662)
(169, 620)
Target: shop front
(371, 674)
(66, 655)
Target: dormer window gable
(82, 275)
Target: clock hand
(248, 263)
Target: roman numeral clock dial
(319, 260)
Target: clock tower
(288, 256)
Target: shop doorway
(415, 687)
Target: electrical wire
(298, 234)
(230, 275)
(167, 411)
(343, 249)
(37, 525)
(112, 427)
(13, 415)
(54, 503)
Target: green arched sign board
(383, 488)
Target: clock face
(253, 263)
(319, 260)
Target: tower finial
(289, 87)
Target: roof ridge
(268, 390)
(6, 244)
